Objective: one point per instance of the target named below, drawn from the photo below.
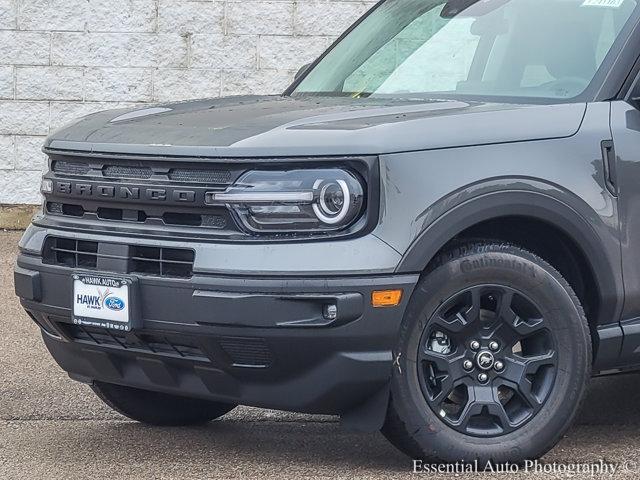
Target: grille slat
(244, 352)
(177, 262)
(213, 176)
(121, 171)
(159, 261)
(139, 216)
(247, 352)
(71, 168)
(143, 342)
(200, 176)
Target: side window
(430, 54)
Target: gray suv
(430, 233)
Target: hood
(270, 126)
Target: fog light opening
(330, 312)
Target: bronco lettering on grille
(124, 192)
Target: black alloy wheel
(492, 360)
(487, 360)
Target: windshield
(545, 49)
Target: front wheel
(493, 359)
(155, 408)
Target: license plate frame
(108, 301)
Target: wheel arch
(576, 227)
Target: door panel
(625, 127)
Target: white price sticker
(603, 3)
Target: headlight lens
(293, 201)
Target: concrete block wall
(62, 59)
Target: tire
(161, 409)
(505, 295)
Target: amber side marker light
(386, 298)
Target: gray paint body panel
(360, 256)
(282, 126)
(429, 197)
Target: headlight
(292, 201)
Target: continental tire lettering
(468, 265)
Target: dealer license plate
(101, 301)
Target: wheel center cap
(485, 360)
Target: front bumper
(259, 341)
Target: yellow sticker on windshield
(603, 3)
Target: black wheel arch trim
(524, 203)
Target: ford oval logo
(114, 303)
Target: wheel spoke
(518, 367)
(517, 372)
(472, 313)
(458, 321)
(518, 329)
(483, 401)
(446, 387)
(443, 362)
(521, 327)
(513, 370)
(527, 327)
(449, 364)
(525, 390)
(470, 410)
(443, 373)
(497, 410)
(452, 325)
(532, 364)
(504, 311)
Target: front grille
(209, 220)
(221, 177)
(71, 168)
(117, 258)
(143, 195)
(165, 345)
(247, 352)
(71, 253)
(120, 171)
(214, 176)
(163, 262)
(242, 352)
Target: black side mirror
(302, 71)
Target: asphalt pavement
(54, 428)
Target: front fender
(541, 204)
